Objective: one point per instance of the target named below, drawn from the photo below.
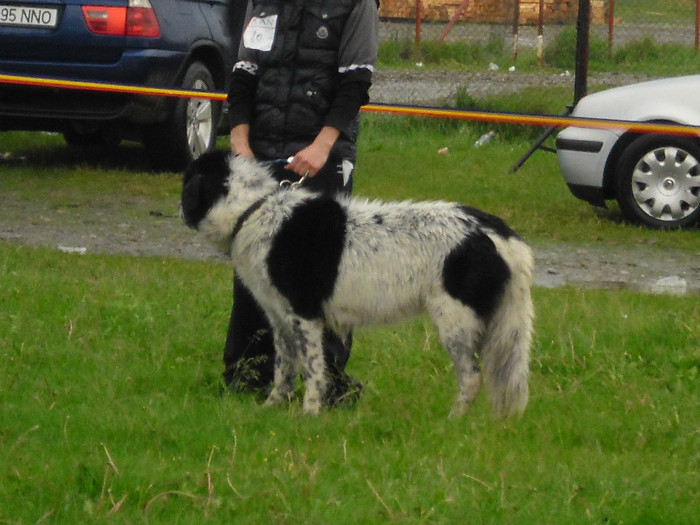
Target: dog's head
(204, 184)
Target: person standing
(304, 70)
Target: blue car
(182, 44)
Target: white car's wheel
(658, 181)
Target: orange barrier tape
(535, 120)
(113, 88)
(418, 111)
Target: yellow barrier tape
(523, 119)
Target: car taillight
(141, 19)
(105, 20)
(138, 19)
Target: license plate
(25, 16)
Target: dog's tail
(505, 349)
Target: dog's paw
(277, 397)
(312, 406)
(459, 408)
(271, 402)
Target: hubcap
(666, 184)
(199, 122)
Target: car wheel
(190, 130)
(658, 181)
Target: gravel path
(420, 86)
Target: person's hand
(308, 161)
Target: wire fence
(669, 21)
(516, 31)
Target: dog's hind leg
(460, 332)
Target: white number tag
(260, 33)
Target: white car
(654, 176)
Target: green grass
(642, 56)
(112, 410)
(402, 52)
(655, 11)
(643, 53)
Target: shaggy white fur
(393, 264)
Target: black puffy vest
(298, 77)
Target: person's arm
(356, 57)
(239, 140)
(241, 96)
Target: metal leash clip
(288, 184)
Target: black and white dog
(315, 261)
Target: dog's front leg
(313, 365)
(286, 362)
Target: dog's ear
(204, 183)
(189, 201)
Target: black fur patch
(475, 274)
(305, 254)
(204, 183)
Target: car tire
(191, 128)
(658, 181)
